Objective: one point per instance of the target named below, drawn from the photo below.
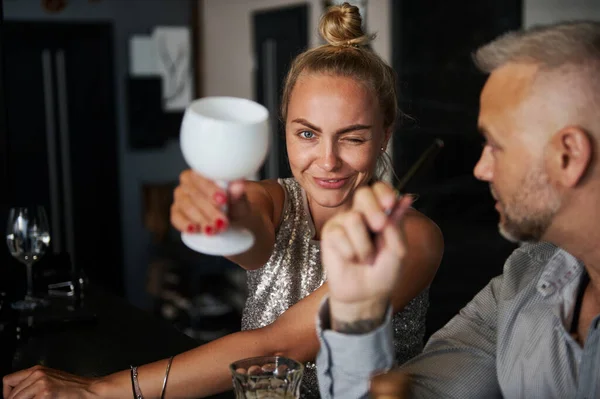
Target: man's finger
(358, 235)
(365, 202)
(400, 208)
(338, 242)
(385, 195)
(392, 236)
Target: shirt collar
(560, 270)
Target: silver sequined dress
(294, 271)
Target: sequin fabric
(294, 270)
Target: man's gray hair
(550, 46)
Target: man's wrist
(357, 317)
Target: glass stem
(29, 279)
(225, 186)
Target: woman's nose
(329, 158)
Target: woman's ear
(386, 138)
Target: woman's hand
(362, 272)
(199, 203)
(42, 382)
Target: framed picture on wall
(165, 76)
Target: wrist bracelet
(162, 394)
(137, 392)
(132, 384)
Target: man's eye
(307, 134)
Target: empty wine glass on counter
(27, 237)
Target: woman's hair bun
(341, 25)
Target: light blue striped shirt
(512, 340)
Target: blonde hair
(346, 54)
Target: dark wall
(439, 89)
(128, 17)
(4, 189)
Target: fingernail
(220, 198)
(208, 230)
(220, 223)
(191, 228)
(198, 228)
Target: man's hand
(361, 271)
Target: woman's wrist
(107, 387)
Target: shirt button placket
(590, 364)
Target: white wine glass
(224, 139)
(27, 237)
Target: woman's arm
(265, 202)
(204, 370)
(424, 251)
(256, 206)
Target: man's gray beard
(508, 235)
(516, 236)
(530, 228)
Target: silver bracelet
(162, 394)
(137, 392)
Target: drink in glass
(267, 377)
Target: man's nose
(484, 168)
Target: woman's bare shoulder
(419, 226)
(272, 192)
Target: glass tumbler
(267, 377)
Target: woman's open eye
(306, 134)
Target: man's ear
(569, 156)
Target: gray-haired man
(534, 331)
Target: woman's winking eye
(355, 140)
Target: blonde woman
(339, 107)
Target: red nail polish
(220, 198)
(198, 228)
(191, 228)
(220, 223)
(208, 230)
